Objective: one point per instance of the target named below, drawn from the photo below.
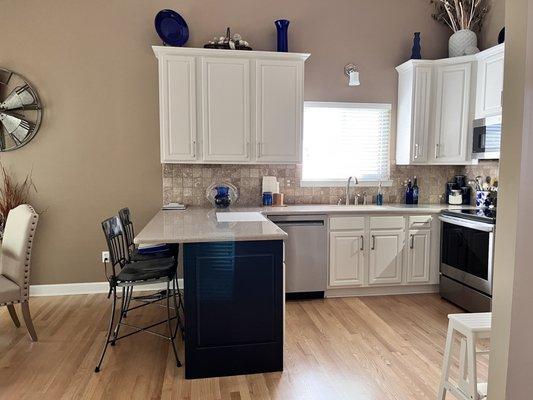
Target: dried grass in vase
(13, 193)
(460, 14)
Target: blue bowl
(171, 28)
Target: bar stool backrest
(114, 235)
(125, 218)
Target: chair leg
(25, 306)
(13, 315)
(123, 308)
(170, 333)
(179, 307)
(110, 330)
(446, 362)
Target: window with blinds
(345, 139)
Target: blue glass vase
(222, 198)
(416, 50)
(282, 25)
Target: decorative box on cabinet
(229, 106)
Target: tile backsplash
(187, 183)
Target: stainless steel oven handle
(479, 226)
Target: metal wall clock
(20, 111)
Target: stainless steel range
(467, 254)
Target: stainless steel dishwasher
(306, 257)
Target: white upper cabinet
(225, 109)
(279, 107)
(177, 102)
(437, 102)
(414, 100)
(452, 113)
(229, 106)
(490, 82)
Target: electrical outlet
(105, 256)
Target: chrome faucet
(356, 182)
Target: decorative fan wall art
(20, 111)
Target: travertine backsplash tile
(187, 183)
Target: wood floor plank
(366, 348)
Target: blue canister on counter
(267, 198)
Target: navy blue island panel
(233, 308)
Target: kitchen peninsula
(233, 283)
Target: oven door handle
(479, 226)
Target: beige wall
(98, 148)
(494, 22)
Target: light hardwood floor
(376, 348)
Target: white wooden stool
(470, 327)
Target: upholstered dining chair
(15, 263)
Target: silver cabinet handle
(416, 150)
(194, 148)
(412, 241)
(373, 247)
(362, 243)
(437, 148)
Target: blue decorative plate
(171, 28)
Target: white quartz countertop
(201, 225)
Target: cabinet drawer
(339, 223)
(390, 222)
(420, 221)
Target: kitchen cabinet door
(278, 111)
(225, 109)
(346, 258)
(490, 83)
(418, 256)
(414, 110)
(177, 96)
(452, 113)
(386, 257)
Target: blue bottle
(416, 191)
(409, 193)
(416, 50)
(379, 196)
(282, 25)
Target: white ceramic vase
(462, 42)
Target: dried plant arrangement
(13, 192)
(460, 14)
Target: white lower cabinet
(346, 258)
(386, 257)
(418, 256)
(380, 251)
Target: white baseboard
(67, 289)
(381, 290)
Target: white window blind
(344, 139)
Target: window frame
(342, 182)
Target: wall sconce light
(353, 75)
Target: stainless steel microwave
(486, 138)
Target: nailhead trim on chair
(25, 294)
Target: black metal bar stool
(132, 274)
(134, 254)
(156, 252)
